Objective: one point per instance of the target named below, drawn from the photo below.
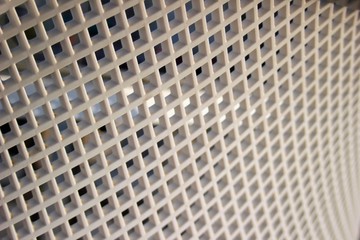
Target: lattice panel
(167, 119)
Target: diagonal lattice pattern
(168, 119)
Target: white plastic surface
(168, 119)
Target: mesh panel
(170, 119)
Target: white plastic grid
(178, 119)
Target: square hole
(111, 22)
(67, 16)
(93, 31)
(135, 36)
(21, 10)
(49, 24)
(85, 7)
(130, 13)
(34, 217)
(30, 33)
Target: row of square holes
(30, 139)
(67, 16)
(100, 54)
(111, 22)
(3, 132)
(37, 218)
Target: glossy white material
(166, 119)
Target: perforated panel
(168, 119)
